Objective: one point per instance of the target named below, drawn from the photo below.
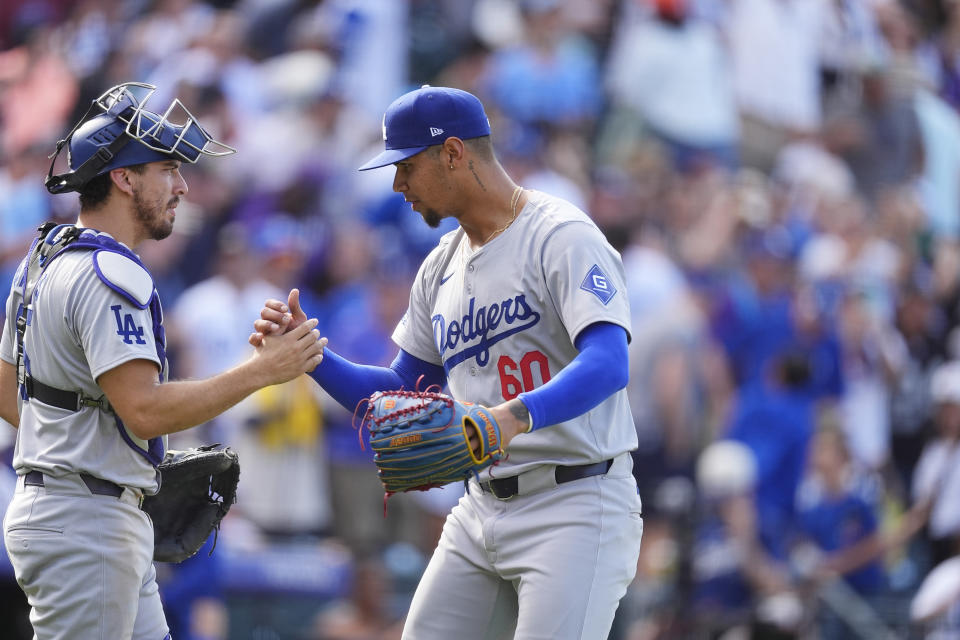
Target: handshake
(290, 342)
(278, 317)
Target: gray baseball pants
(85, 562)
(551, 564)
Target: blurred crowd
(782, 178)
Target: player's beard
(432, 217)
(151, 216)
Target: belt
(96, 485)
(506, 488)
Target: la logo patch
(127, 328)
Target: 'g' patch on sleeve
(597, 283)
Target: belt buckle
(493, 492)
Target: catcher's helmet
(124, 133)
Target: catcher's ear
(121, 179)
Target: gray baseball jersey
(502, 320)
(80, 328)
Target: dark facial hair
(157, 227)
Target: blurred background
(782, 178)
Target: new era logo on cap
(426, 117)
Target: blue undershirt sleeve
(411, 369)
(599, 370)
(349, 383)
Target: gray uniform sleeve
(8, 341)
(109, 328)
(414, 332)
(585, 278)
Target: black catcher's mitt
(197, 487)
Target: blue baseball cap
(425, 117)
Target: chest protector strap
(52, 242)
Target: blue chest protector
(52, 242)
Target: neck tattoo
(514, 201)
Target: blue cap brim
(390, 156)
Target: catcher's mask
(102, 142)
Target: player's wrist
(519, 411)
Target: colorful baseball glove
(421, 439)
(197, 488)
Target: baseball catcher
(425, 439)
(84, 380)
(197, 488)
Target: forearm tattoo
(519, 411)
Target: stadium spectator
(671, 71)
(936, 482)
(838, 508)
